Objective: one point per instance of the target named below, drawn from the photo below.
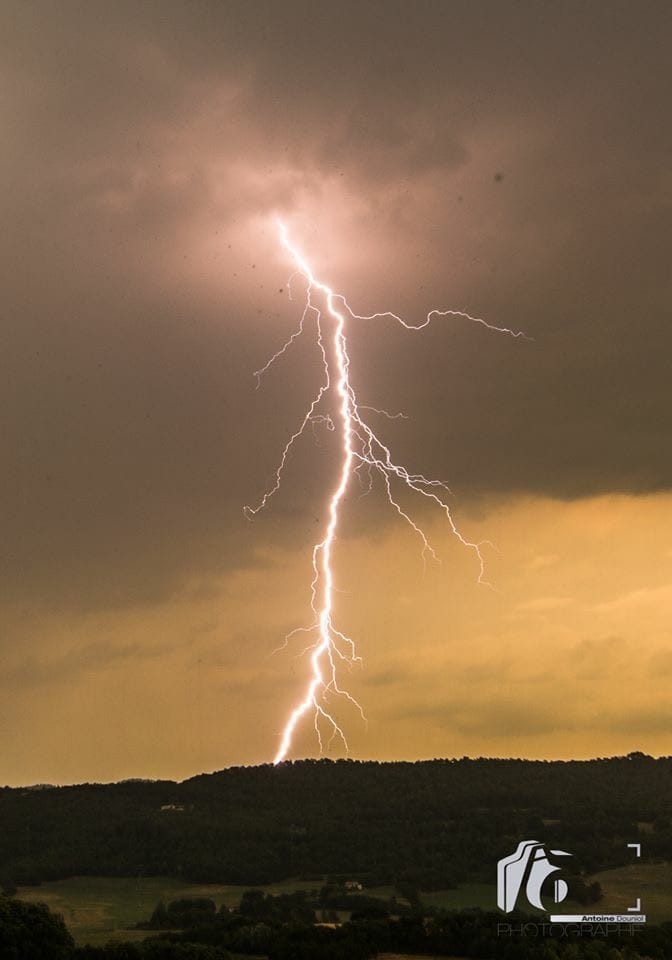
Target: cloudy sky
(510, 159)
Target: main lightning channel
(360, 448)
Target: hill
(431, 823)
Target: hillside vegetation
(432, 823)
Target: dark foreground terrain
(373, 848)
(302, 927)
(433, 823)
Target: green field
(98, 909)
(651, 882)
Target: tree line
(433, 824)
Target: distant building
(174, 807)
(353, 885)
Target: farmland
(98, 909)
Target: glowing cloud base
(361, 451)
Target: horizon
(635, 754)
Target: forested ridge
(434, 823)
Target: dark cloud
(67, 667)
(504, 717)
(511, 159)
(640, 722)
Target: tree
(7, 887)
(29, 931)
(159, 919)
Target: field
(651, 882)
(98, 909)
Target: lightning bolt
(361, 449)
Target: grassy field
(651, 882)
(98, 909)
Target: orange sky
(569, 659)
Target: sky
(509, 159)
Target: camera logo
(527, 869)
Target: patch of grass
(651, 882)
